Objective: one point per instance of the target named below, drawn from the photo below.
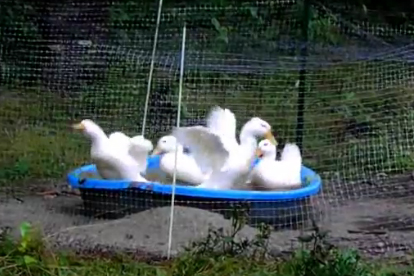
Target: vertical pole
(180, 93)
(302, 72)
(154, 49)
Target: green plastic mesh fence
(66, 61)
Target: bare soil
(375, 217)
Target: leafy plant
(26, 244)
(30, 256)
(221, 243)
(323, 259)
(222, 31)
(24, 252)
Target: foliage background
(63, 61)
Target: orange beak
(79, 126)
(156, 151)
(259, 153)
(269, 136)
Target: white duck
(272, 174)
(215, 147)
(187, 169)
(138, 147)
(112, 158)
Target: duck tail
(291, 153)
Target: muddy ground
(376, 217)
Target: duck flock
(216, 160)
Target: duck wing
(139, 151)
(207, 148)
(119, 142)
(222, 122)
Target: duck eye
(263, 125)
(265, 144)
(164, 141)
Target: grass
(37, 144)
(32, 146)
(219, 254)
(358, 121)
(356, 116)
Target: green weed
(30, 255)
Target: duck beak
(79, 126)
(269, 136)
(259, 153)
(156, 151)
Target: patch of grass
(41, 153)
(358, 120)
(35, 143)
(30, 255)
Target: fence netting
(70, 60)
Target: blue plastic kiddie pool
(119, 197)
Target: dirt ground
(379, 221)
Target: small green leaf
(224, 37)
(253, 11)
(29, 260)
(365, 8)
(306, 238)
(323, 233)
(22, 246)
(216, 24)
(228, 239)
(25, 229)
(160, 272)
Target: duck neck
(248, 140)
(97, 137)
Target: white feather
(216, 150)
(271, 174)
(120, 142)
(206, 147)
(137, 147)
(291, 153)
(139, 151)
(187, 169)
(110, 154)
(222, 122)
